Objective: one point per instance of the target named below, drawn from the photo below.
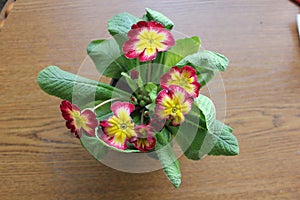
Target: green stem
(149, 71)
(162, 56)
(103, 103)
(142, 116)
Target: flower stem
(142, 116)
(137, 62)
(162, 56)
(103, 103)
(149, 71)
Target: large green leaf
(167, 158)
(152, 15)
(107, 57)
(98, 148)
(93, 146)
(182, 48)
(119, 25)
(205, 136)
(206, 64)
(227, 143)
(65, 85)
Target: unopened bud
(134, 74)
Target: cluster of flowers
(179, 87)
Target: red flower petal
(111, 140)
(144, 140)
(176, 77)
(140, 41)
(145, 144)
(164, 80)
(122, 105)
(155, 24)
(145, 58)
(92, 122)
(188, 70)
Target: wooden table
(39, 159)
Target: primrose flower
(145, 39)
(173, 103)
(119, 128)
(77, 121)
(145, 140)
(184, 77)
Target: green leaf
(158, 17)
(93, 146)
(205, 135)
(182, 48)
(206, 64)
(151, 88)
(107, 57)
(119, 25)
(206, 60)
(132, 83)
(206, 106)
(65, 85)
(227, 143)
(167, 158)
(98, 148)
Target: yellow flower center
(79, 121)
(121, 127)
(142, 142)
(182, 80)
(150, 40)
(174, 110)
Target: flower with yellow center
(77, 120)
(145, 140)
(173, 103)
(119, 128)
(145, 39)
(184, 77)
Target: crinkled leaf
(93, 146)
(182, 48)
(65, 85)
(206, 60)
(107, 57)
(206, 64)
(119, 25)
(152, 15)
(205, 135)
(207, 108)
(227, 143)
(167, 158)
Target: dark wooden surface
(39, 159)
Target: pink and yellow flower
(145, 140)
(77, 121)
(185, 77)
(173, 103)
(119, 128)
(145, 39)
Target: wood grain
(39, 159)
